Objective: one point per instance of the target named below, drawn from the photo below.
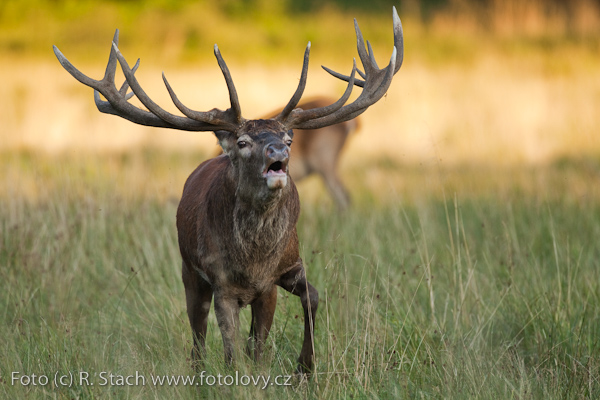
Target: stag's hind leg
(198, 296)
(263, 309)
(295, 282)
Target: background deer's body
(236, 221)
(317, 151)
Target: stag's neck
(260, 232)
(262, 219)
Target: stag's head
(258, 149)
(259, 153)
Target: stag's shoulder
(207, 181)
(208, 171)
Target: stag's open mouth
(276, 175)
(276, 168)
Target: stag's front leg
(263, 309)
(227, 311)
(198, 295)
(295, 282)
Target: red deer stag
(236, 221)
(317, 151)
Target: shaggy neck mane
(259, 232)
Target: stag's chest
(248, 279)
(255, 258)
(254, 255)
(260, 238)
(248, 263)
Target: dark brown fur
(238, 241)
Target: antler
(118, 104)
(375, 84)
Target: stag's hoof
(304, 370)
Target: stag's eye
(241, 144)
(288, 142)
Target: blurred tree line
(568, 15)
(488, 14)
(184, 26)
(425, 9)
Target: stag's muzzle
(277, 156)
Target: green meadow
(467, 283)
(467, 267)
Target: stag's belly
(242, 280)
(245, 283)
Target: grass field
(455, 282)
(467, 267)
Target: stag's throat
(260, 234)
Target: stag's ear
(226, 140)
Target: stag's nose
(277, 156)
(277, 152)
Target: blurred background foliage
(485, 80)
(267, 31)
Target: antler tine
(109, 76)
(111, 66)
(398, 43)
(343, 77)
(231, 116)
(125, 85)
(366, 59)
(75, 73)
(233, 97)
(372, 55)
(376, 83)
(298, 116)
(117, 99)
(284, 114)
(139, 92)
(398, 40)
(214, 116)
